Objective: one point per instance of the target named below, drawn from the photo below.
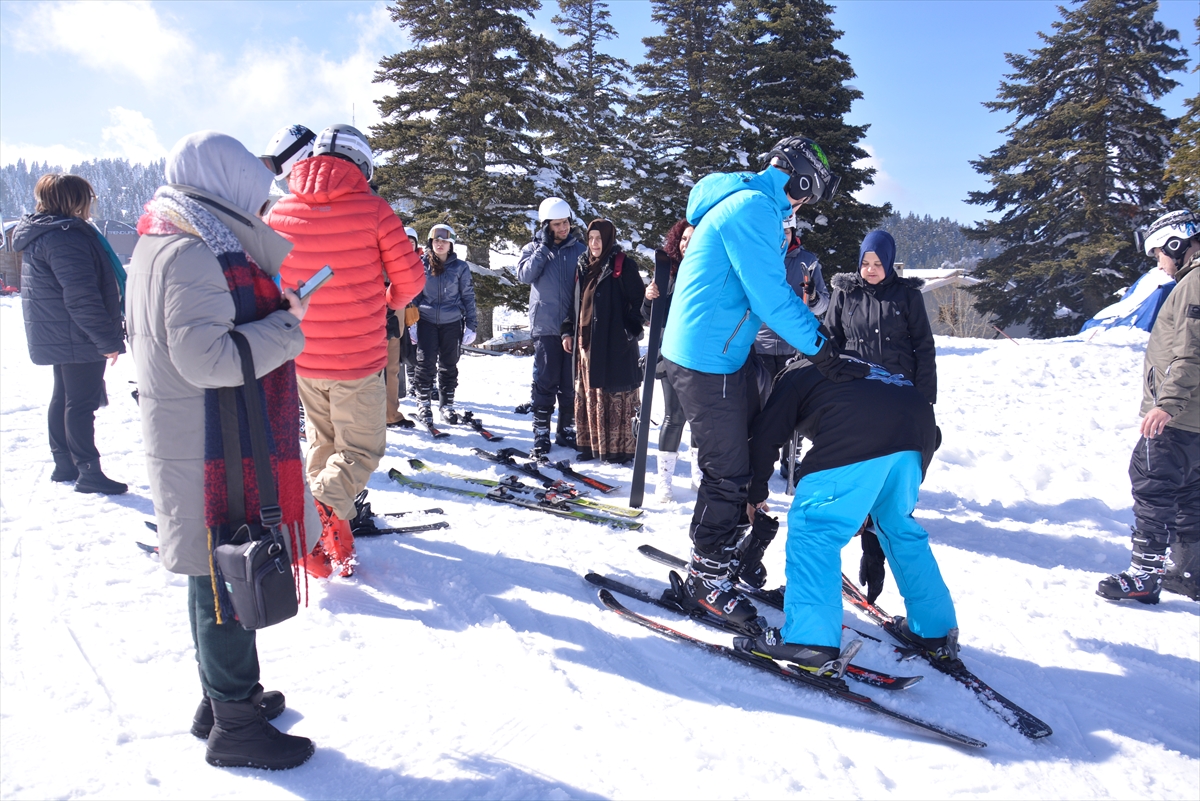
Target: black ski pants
(671, 431)
(78, 393)
(226, 654)
(553, 375)
(1165, 477)
(720, 409)
(437, 352)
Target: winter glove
(412, 333)
(871, 570)
(393, 325)
(468, 336)
(547, 236)
(831, 364)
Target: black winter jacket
(847, 423)
(616, 324)
(69, 293)
(885, 324)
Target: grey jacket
(550, 272)
(1171, 370)
(803, 269)
(448, 297)
(179, 315)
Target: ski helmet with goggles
(349, 143)
(289, 145)
(801, 158)
(553, 208)
(441, 231)
(1173, 232)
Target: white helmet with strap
(553, 208)
(1173, 232)
(290, 144)
(349, 143)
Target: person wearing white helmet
(290, 144)
(547, 264)
(1165, 469)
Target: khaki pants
(344, 423)
(394, 377)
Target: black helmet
(802, 158)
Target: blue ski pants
(829, 507)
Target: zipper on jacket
(741, 322)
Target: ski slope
(475, 662)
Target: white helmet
(441, 231)
(349, 143)
(790, 220)
(289, 145)
(410, 232)
(1173, 232)
(553, 208)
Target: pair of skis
(509, 458)
(467, 419)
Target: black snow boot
(943, 649)
(750, 567)
(242, 738)
(92, 479)
(64, 468)
(446, 408)
(1142, 581)
(709, 586)
(1183, 575)
(821, 660)
(564, 436)
(541, 431)
(272, 706)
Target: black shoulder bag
(254, 565)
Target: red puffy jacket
(332, 217)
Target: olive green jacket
(1171, 372)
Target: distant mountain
(121, 188)
(926, 243)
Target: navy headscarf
(882, 245)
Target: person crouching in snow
(332, 217)
(872, 441)
(203, 268)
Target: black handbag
(254, 565)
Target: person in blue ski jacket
(732, 279)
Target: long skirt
(603, 420)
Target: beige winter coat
(1171, 371)
(179, 315)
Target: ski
(565, 492)
(433, 430)
(404, 529)
(505, 457)
(501, 495)
(468, 418)
(832, 687)
(150, 524)
(148, 548)
(1020, 719)
(509, 456)
(658, 318)
(565, 468)
(436, 510)
(874, 678)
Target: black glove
(393, 325)
(871, 571)
(831, 364)
(547, 236)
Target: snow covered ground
(475, 662)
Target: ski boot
(317, 563)
(363, 523)
(709, 587)
(1183, 574)
(541, 431)
(337, 540)
(1142, 581)
(937, 649)
(819, 660)
(564, 435)
(403, 422)
(750, 566)
(448, 414)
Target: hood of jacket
(222, 166)
(849, 281)
(321, 179)
(712, 189)
(267, 248)
(31, 226)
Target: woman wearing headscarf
(603, 332)
(72, 308)
(204, 267)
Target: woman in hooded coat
(603, 331)
(203, 268)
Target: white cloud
(55, 155)
(131, 136)
(885, 189)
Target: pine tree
(1082, 166)
(686, 123)
(793, 81)
(1183, 168)
(463, 133)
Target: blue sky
(127, 79)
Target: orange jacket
(332, 217)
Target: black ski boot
(272, 706)
(92, 479)
(424, 406)
(564, 435)
(1142, 582)
(941, 649)
(1183, 575)
(64, 468)
(446, 408)
(820, 660)
(709, 586)
(750, 566)
(242, 738)
(541, 431)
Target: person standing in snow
(1165, 468)
(289, 145)
(333, 218)
(731, 279)
(805, 278)
(879, 317)
(872, 442)
(670, 433)
(548, 265)
(602, 330)
(202, 268)
(72, 309)
(447, 320)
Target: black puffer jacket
(885, 324)
(69, 292)
(616, 323)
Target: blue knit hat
(882, 245)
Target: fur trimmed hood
(848, 281)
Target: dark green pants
(226, 654)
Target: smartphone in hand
(314, 283)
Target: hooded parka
(1171, 369)
(550, 272)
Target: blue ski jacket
(732, 278)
